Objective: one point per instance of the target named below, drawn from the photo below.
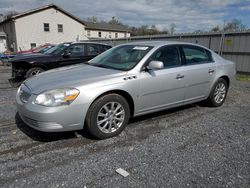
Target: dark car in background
(61, 55)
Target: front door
(73, 55)
(164, 87)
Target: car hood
(30, 57)
(71, 76)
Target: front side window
(169, 55)
(196, 55)
(46, 27)
(122, 57)
(57, 50)
(60, 28)
(76, 50)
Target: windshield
(121, 58)
(56, 50)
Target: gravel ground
(191, 146)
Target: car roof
(81, 42)
(162, 43)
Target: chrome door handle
(179, 76)
(211, 71)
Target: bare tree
(235, 24)
(172, 28)
(115, 21)
(9, 14)
(93, 19)
(215, 29)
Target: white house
(3, 44)
(104, 30)
(48, 24)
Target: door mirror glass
(155, 65)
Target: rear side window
(196, 55)
(105, 47)
(92, 49)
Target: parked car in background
(126, 81)
(61, 55)
(33, 50)
(42, 49)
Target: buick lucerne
(129, 80)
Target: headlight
(57, 97)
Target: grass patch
(242, 77)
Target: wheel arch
(124, 94)
(226, 78)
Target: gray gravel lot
(191, 146)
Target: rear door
(199, 72)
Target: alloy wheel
(110, 117)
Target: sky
(187, 15)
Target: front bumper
(51, 119)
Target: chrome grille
(24, 93)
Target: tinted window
(56, 50)
(92, 49)
(76, 50)
(168, 55)
(196, 55)
(104, 48)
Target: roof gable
(33, 11)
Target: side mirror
(66, 54)
(154, 65)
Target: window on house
(60, 28)
(46, 27)
(109, 34)
(125, 35)
(116, 35)
(88, 33)
(100, 34)
(32, 45)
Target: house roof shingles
(105, 26)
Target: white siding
(29, 29)
(107, 34)
(3, 45)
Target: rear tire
(218, 93)
(107, 116)
(34, 71)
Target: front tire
(218, 93)
(107, 116)
(34, 71)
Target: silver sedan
(126, 81)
